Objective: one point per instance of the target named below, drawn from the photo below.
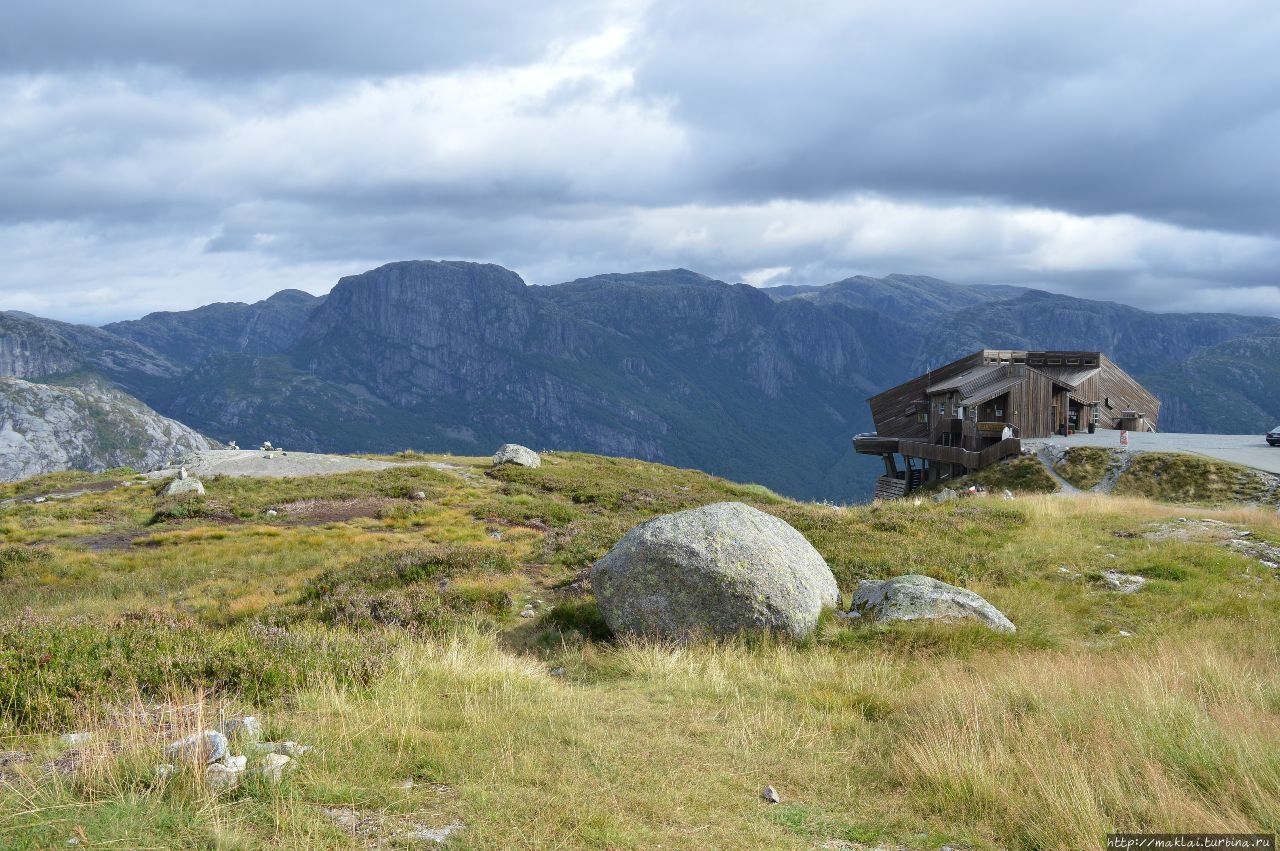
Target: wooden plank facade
(983, 401)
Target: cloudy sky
(157, 154)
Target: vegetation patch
(1179, 477)
(54, 670)
(1086, 466)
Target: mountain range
(763, 385)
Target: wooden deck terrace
(874, 444)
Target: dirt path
(1119, 463)
(1046, 458)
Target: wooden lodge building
(974, 412)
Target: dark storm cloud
(153, 154)
(236, 38)
(1163, 109)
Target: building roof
(1071, 376)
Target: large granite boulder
(718, 570)
(916, 597)
(514, 453)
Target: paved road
(1247, 449)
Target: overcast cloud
(160, 155)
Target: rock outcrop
(514, 453)
(184, 487)
(915, 597)
(714, 571)
(45, 428)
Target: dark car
(1273, 436)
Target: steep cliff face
(29, 350)
(31, 347)
(92, 426)
(190, 337)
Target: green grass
(384, 630)
(1178, 477)
(1020, 475)
(1085, 466)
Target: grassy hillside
(385, 631)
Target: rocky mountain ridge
(89, 425)
(756, 384)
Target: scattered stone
(245, 727)
(406, 784)
(771, 795)
(528, 612)
(74, 740)
(266, 446)
(40, 499)
(497, 536)
(719, 570)
(514, 453)
(944, 495)
(917, 597)
(557, 672)
(232, 445)
(1125, 583)
(419, 495)
(1124, 633)
(220, 777)
(271, 512)
(164, 771)
(235, 763)
(182, 472)
(1008, 494)
(180, 486)
(1112, 555)
(421, 833)
(293, 749)
(273, 767)
(206, 746)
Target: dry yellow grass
(909, 736)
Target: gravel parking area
(1247, 449)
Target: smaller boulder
(514, 453)
(246, 727)
(944, 495)
(917, 597)
(178, 487)
(273, 767)
(771, 795)
(206, 746)
(219, 777)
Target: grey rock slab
(205, 746)
(514, 453)
(718, 570)
(1125, 583)
(220, 777)
(246, 727)
(917, 597)
(273, 766)
(178, 487)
